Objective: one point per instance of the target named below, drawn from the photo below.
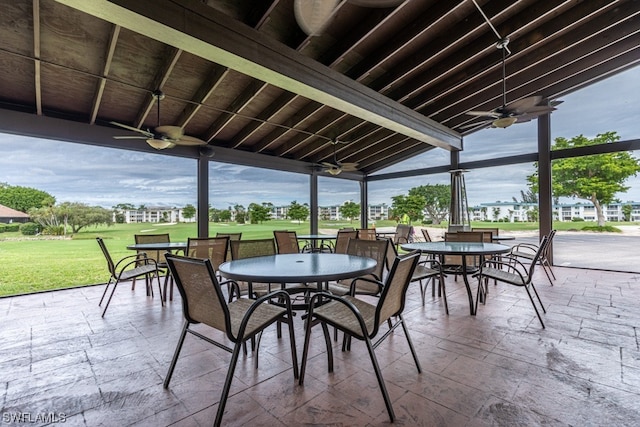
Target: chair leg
(443, 289)
(534, 304)
(305, 349)
(383, 388)
(413, 350)
(104, 292)
(327, 341)
(109, 299)
(227, 384)
(292, 341)
(176, 353)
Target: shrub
(11, 227)
(2, 228)
(54, 230)
(29, 228)
(576, 219)
(604, 228)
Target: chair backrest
(241, 249)
(202, 297)
(158, 256)
(425, 234)
(376, 249)
(342, 240)
(286, 241)
(393, 294)
(493, 231)
(544, 243)
(550, 237)
(231, 236)
(110, 265)
(403, 232)
(463, 236)
(212, 248)
(366, 233)
(392, 253)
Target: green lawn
(37, 265)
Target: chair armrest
(256, 304)
(235, 288)
(514, 267)
(374, 280)
(135, 262)
(137, 257)
(524, 247)
(340, 300)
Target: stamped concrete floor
(60, 361)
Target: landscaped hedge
(29, 228)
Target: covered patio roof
(243, 76)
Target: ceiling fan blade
(329, 165)
(349, 168)
(314, 15)
(172, 132)
(131, 128)
(493, 114)
(189, 140)
(522, 105)
(478, 125)
(376, 3)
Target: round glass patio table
(297, 268)
(313, 240)
(164, 246)
(463, 249)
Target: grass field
(33, 265)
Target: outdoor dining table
(164, 246)
(459, 248)
(308, 267)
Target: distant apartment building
(154, 214)
(520, 212)
(332, 213)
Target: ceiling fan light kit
(162, 137)
(504, 122)
(160, 144)
(521, 110)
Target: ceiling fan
(162, 136)
(521, 110)
(335, 167)
(314, 15)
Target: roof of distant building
(6, 212)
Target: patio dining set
(355, 282)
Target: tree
(225, 215)
(437, 200)
(626, 212)
(496, 213)
(298, 212)
(260, 213)
(240, 214)
(411, 205)
(350, 210)
(189, 211)
(596, 178)
(56, 219)
(24, 198)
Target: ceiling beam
(36, 55)
(202, 31)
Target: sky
(106, 177)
